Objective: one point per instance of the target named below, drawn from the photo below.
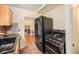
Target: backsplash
(9, 29)
(13, 29)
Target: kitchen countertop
(7, 36)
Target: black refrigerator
(48, 40)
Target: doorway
(76, 29)
(30, 36)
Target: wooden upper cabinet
(5, 15)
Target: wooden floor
(30, 40)
(30, 46)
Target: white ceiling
(48, 7)
(32, 7)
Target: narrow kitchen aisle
(30, 46)
(30, 37)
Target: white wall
(18, 17)
(58, 16)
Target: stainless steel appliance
(42, 25)
(55, 42)
(7, 44)
(49, 40)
